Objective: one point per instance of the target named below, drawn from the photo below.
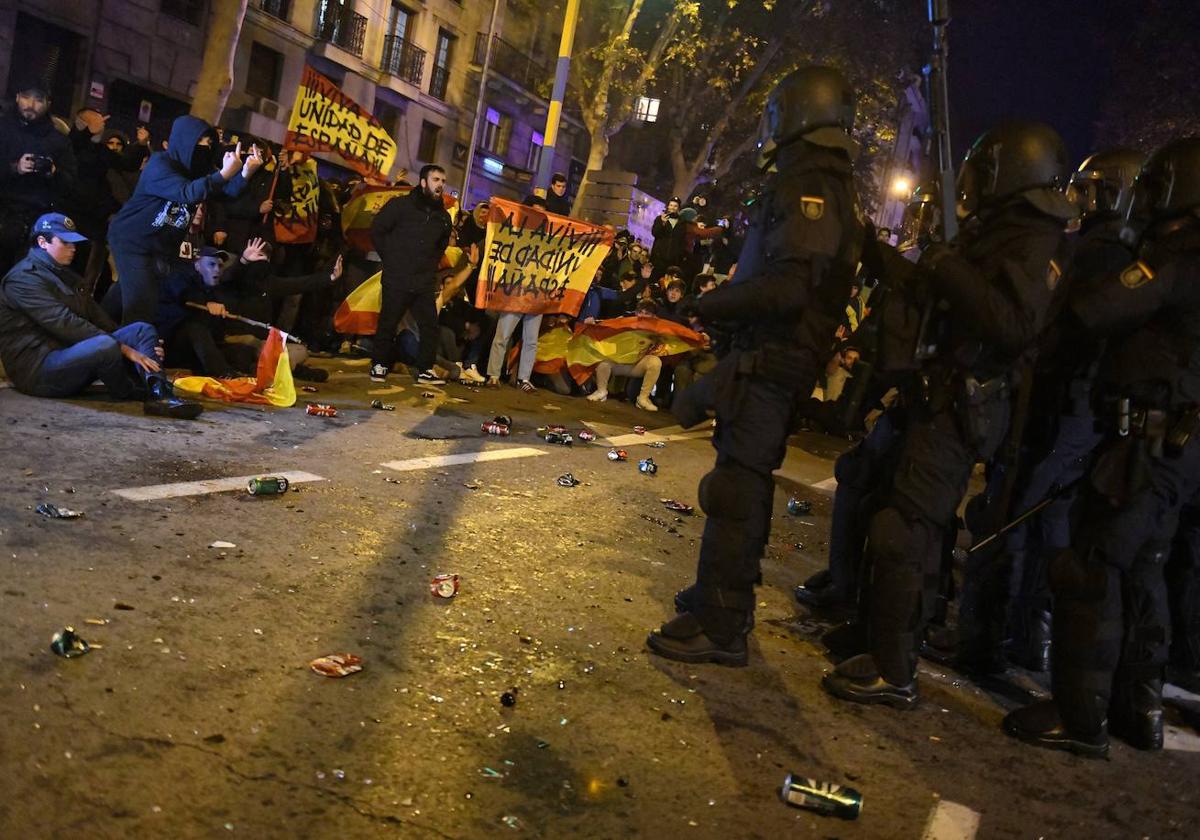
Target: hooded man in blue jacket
(151, 225)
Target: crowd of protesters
(177, 236)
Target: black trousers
(397, 300)
(1111, 614)
(1183, 585)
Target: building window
(400, 23)
(427, 150)
(440, 81)
(276, 8)
(646, 109)
(535, 152)
(266, 69)
(496, 132)
(191, 11)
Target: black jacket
(410, 235)
(157, 215)
(41, 310)
(31, 192)
(251, 290)
(240, 217)
(670, 243)
(93, 199)
(558, 204)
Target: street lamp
(901, 186)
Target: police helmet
(1169, 183)
(813, 103)
(1103, 184)
(1014, 158)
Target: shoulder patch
(1136, 275)
(813, 206)
(1053, 275)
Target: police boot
(846, 640)
(859, 680)
(685, 639)
(1041, 725)
(1029, 646)
(1135, 714)
(687, 600)
(162, 402)
(820, 594)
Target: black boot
(162, 402)
(1135, 714)
(1030, 645)
(859, 681)
(1040, 724)
(846, 640)
(684, 640)
(820, 594)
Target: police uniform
(784, 305)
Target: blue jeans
(68, 371)
(506, 325)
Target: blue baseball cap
(56, 224)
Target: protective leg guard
(1135, 713)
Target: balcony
(439, 82)
(403, 59)
(275, 8)
(340, 26)
(523, 71)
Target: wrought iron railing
(403, 59)
(342, 26)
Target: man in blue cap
(55, 341)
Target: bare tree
(216, 70)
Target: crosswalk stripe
(951, 821)
(210, 485)
(828, 485)
(1180, 740)
(462, 458)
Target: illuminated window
(535, 152)
(646, 109)
(497, 131)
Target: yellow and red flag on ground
(326, 120)
(534, 261)
(359, 312)
(622, 341)
(296, 223)
(368, 199)
(272, 384)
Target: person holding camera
(37, 169)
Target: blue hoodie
(157, 215)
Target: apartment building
(415, 64)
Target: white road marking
(201, 488)
(829, 485)
(1180, 740)
(951, 821)
(463, 458)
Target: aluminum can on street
(320, 410)
(647, 466)
(267, 485)
(823, 797)
(444, 586)
(495, 428)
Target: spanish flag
(272, 385)
(359, 312)
(368, 199)
(622, 341)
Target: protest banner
(622, 341)
(326, 120)
(534, 261)
(296, 218)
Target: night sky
(1047, 60)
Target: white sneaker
(645, 405)
(379, 373)
(470, 374)
(598, 396)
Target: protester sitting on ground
(597, 296)
(647, 368)
(55, 342)
(839, 371)
(151, 225)
(626, 298)
(695, 365)
(673, 307)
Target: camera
(43, 164)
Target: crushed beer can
(68, 644)
(678, 507)
(380, 405)
(444, 586)
(337, 665)
(657, 444)
(799, 507)
(563, 438)
(495, 428)
(308, 389)
(503, 420)
(823, 797)
(639, 430)
(320, 410)
(618, 455)
(568, 480)
(55, 512)
(647, 466)
(586, 435)
(267, 485)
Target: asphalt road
(196, 714)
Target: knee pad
(730, 492)
(1078, 577)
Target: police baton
(1054, 495)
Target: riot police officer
(783, 305)
(994, 288)
(1004, 602)
(1105, 680)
